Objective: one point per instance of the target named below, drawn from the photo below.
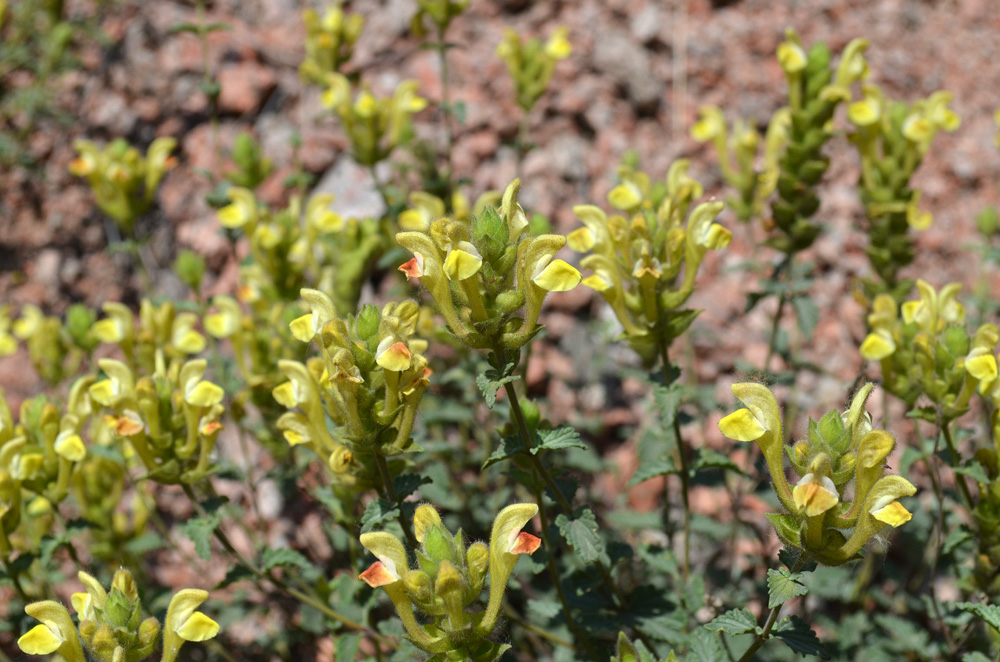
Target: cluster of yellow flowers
(449, 577)
(330, 40)
(124, 181)
(755, 183)
(369, 381)
(532, 63)
(481, 271)
(925, 349)
(111, 624)
(637, 258)
(841, 449)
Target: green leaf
(989, 614)
(407, 484)
(797, 635)
(561, 437)
(806, 314)
(659, 467)
(734, 621)
(668, 399)
(200, 531)
(956, 537)
(347, 646)
(706, 458)
(975, 657)
(376, 512)
(493, 380)
(975, 471)
(705, 647)
(782, 586)
(679, 321)
(286, 557)
(508, 448)
(237, 573)
(581, 533)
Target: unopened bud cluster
(842, 454)
(814, 92)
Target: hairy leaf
(376, 512)
(493, 380)
(782, 586)
(581, 533)
(797, 635)
(562, 437)
(734, 621)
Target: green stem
(390, 494)
(682, 454)
(772, 618)
(578, 632)
(312, 601)
(446, 103)
(963, 487)
(567, 508)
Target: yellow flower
(463, 261)
(56, 632)
(815, 494)
(183, 623)
(242, 209)
(558, 46)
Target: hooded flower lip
(556, 276)
(814, 495)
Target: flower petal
(39, 640)
(894, 514)
(742, 425)
(558, 276)
(198, 627)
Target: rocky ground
(639, 71)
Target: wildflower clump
(532, 63)
(448, 578)
(737, 152)
(892, 138)
(111, 626)
(374, 125)
(368, 380)
(302, 243)
(124, 181)
(842, 450)
(482, 271)
(644, 260)
(330, 40)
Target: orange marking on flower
(377, 575)
(525, 544)
(411, 268)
